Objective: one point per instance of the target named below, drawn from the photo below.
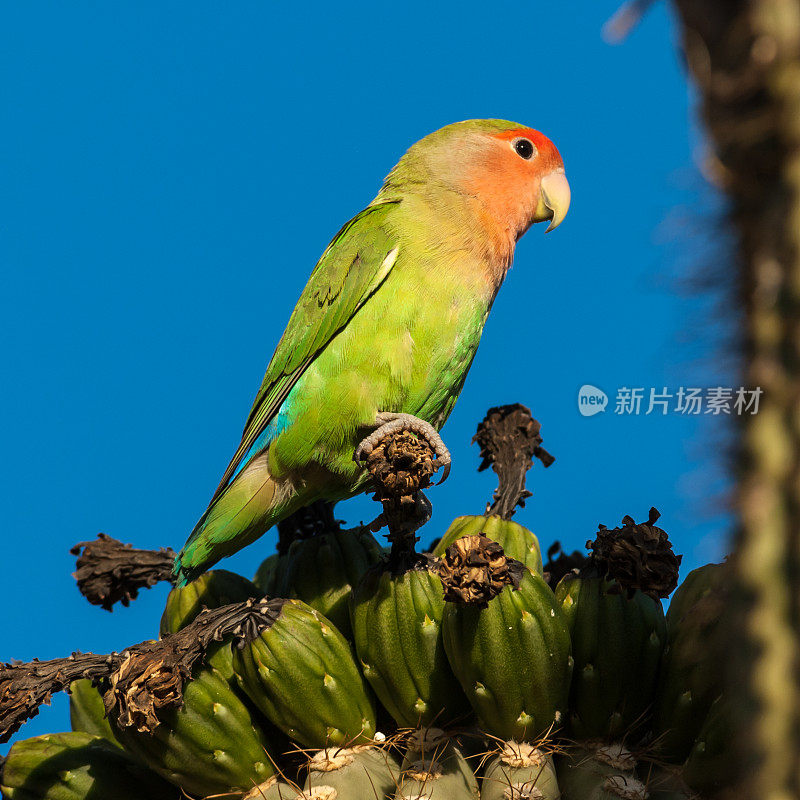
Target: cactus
(665, 783)
(397, 621)
(599, 773)
(274, 789)
(269, 573)
(434, 768)
(301, 675)
(76, 766)
(690, 678)
(707, 769)
(699, 583)
(211, 590)
(87, 712)
(208, 746)
(365, 772)
(517, 541)
(321, 571)
(617, 643)
(512, 658)
(520, 771)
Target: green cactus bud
(77, 766)
(322, 571)
(708, 768)
(690, 679)
(212, 589)
(617, 642)
(211, 745)
(397, 620)
(512, 657)
(268, 574)
(87, 712)
(301, 674)
(517, 541)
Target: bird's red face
(519, 177)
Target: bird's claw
(445, 465)
(390, 422)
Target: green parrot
(386, 328)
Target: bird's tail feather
(241, 513)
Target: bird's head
(514, 173)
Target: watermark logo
(685, 400)
(591, 400)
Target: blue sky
(170, 174)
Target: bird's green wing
(351, 269)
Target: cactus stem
(143, 679)
(110, 572)
(401, 466)
(509, 440)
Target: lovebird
(386, 329)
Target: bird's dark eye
(524, 148)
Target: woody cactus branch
(140, 682)
(110, 572)
(509, 439)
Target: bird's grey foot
(391, 422)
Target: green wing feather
(351, 269)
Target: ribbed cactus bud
(617, 627)
(708, 768)
(516, 540)
(212, 589)
(87, 712)
(211, 745)
(76, 766)
(508, 645)
(268, 574)
(413, 680)
(690, 679)
(301, 674)
(322, 571)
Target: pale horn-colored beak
(554, 197)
